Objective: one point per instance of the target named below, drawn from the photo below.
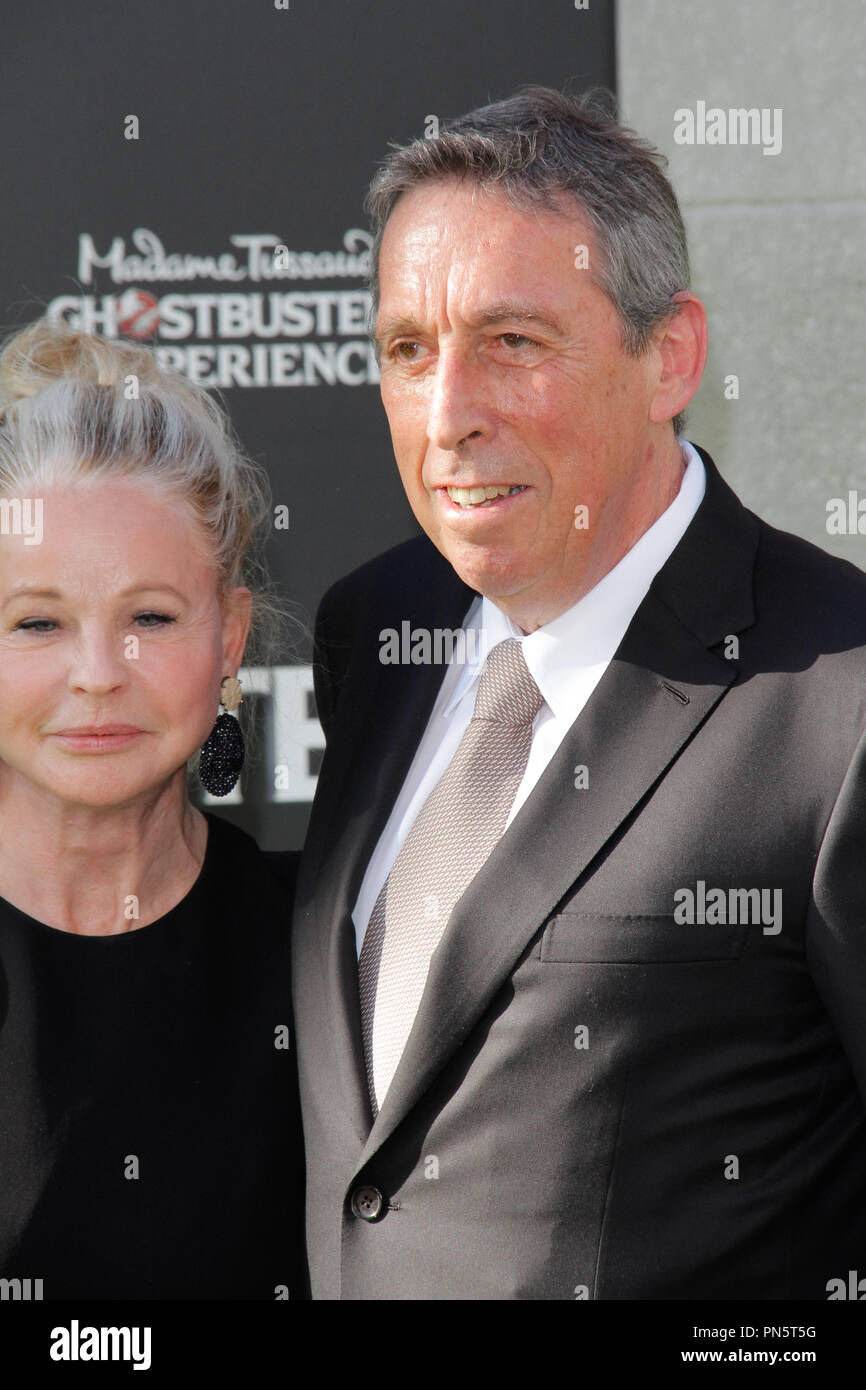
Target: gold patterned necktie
(452, 836)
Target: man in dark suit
(580, 944)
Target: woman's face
(112, 619)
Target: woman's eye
(34, 625)
(146, 620)
(158, 619)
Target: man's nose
(459, 403)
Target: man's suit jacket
(598, 1098)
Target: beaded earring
(222, 754)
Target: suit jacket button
(368, 1203)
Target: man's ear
(682, 354)
(237, 616)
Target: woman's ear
(237, 616)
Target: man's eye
(516, 340)
(159, 619)
(406, 352)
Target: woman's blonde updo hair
(77, 409)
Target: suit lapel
(660, 687)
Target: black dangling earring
(222, 754)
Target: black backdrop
(257, 126)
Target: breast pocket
(637, 940)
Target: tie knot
(506, 691)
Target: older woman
(148, 1124)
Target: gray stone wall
(777, 240)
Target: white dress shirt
(567, 657)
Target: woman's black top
(149, 1133)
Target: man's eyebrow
(515, 311)
(395, 326)
(519, 311)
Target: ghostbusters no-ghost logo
(137, 314)
(266, 316)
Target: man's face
(503, 370)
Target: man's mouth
(482, 496)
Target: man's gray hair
(533, 148)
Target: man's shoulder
(821, 576)
(398, 580)
(810, 605)
(416, 557)
(796, 585)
